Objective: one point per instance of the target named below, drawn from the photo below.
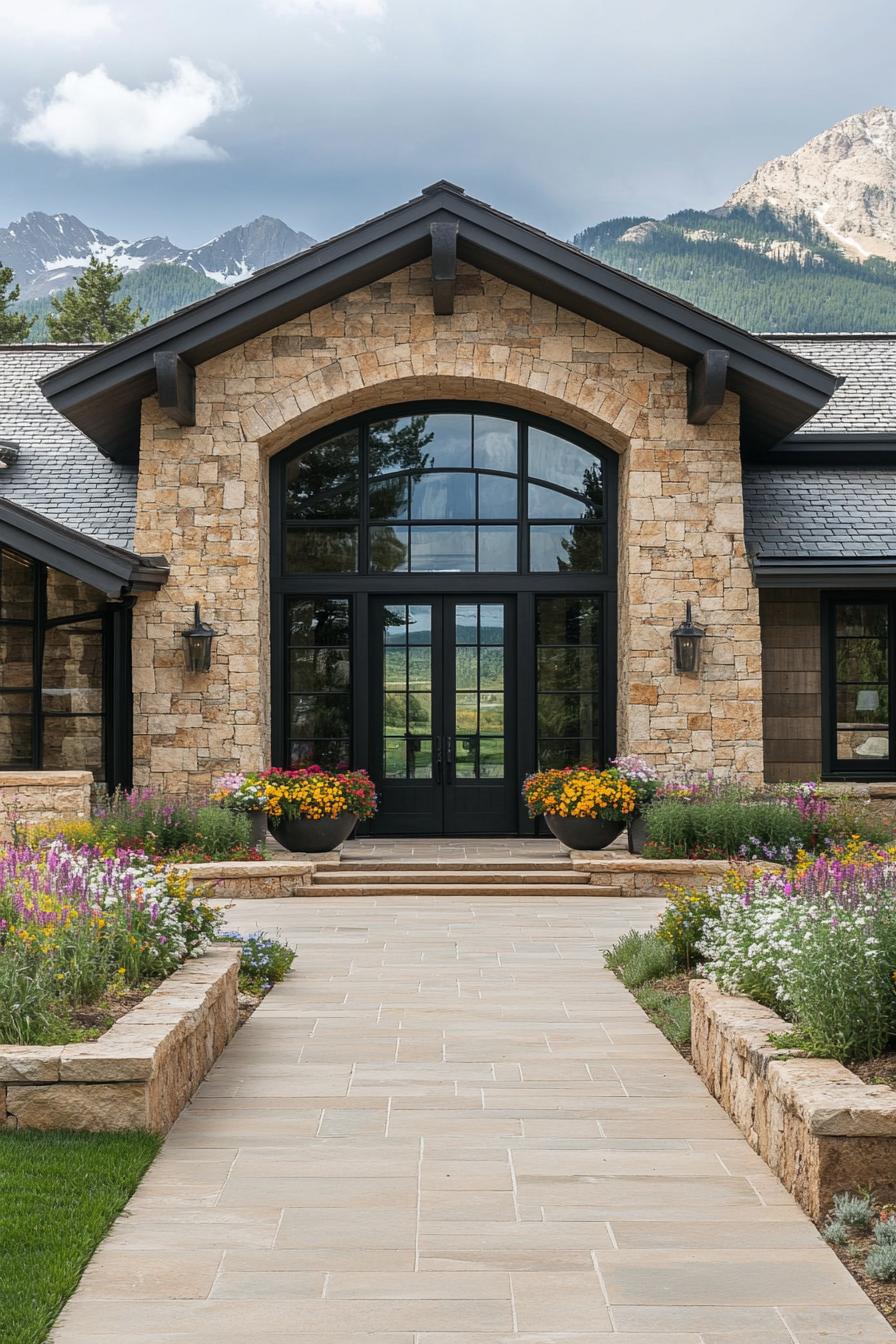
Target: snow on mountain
(48, 252)
(845, 178)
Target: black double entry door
(443, 715)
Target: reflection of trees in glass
(580, 552)
(323, 481)
(397, 445)
(593, 490)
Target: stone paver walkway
(452, 1126)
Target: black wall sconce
(686, 644)
(198, 644)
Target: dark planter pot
(259, 823)
(637, 834)
(583, 832)
(303, 836)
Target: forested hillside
(158, 290)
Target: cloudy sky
(184, 117)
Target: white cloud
(335, 9)
(95, 117)
(55, 20)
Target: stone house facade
(481, 362)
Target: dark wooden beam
(706, 386)
(444, 266)
(176, 385)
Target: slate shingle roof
(58, 472)
(824, 512)
(866, 402)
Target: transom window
(445, 492)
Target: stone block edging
(819, 1127)
(32, 797)
(635, 875)
(248, 880)
(141, 1073)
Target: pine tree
(14, 327)
(87, 311)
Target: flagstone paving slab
(451, 1125)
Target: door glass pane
(495, 443)
(498, 497)
(407, 691)
(568, 635)
(73, 670)
(319, 681)
(862, 670)
(444, 494)
(565, 548)
(479, 709)
(443, 550)
(16, 655)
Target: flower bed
(74, 922)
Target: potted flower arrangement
(585, 808)
(313, 810)
(245, 793)
(644, 779)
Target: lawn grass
(58, 1194)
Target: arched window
(445, 491)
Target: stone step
(455, 863)
(463, 875)
(471, 889)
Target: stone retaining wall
(253, 880)
(635, 875)
(817, 1125)
(142, 1072)
(31, 797)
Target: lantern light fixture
(686, 644)
(198, 644)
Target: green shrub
(670, 1012)
(623, 950)
(652, 959)
(881, 1264)
(835, 1232)
(220, 830)
(855, 1211)
(722, 827)
(885, 1232)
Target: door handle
(449, 759)
(437, 759)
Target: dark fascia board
(111, 569)
(824, 571)
(820, 450)
(101, 392)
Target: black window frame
(833, 767)
(525, 587)
(116, 713)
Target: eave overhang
(101, 393)
(824, 571)
(111, 569)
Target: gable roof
(56, 470)
(101, 394)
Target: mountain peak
(845, 178)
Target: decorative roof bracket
(176, 385)
(706, 386)
(444, 266)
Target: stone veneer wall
(202, 502)
(28, 797)
(816, 1124)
